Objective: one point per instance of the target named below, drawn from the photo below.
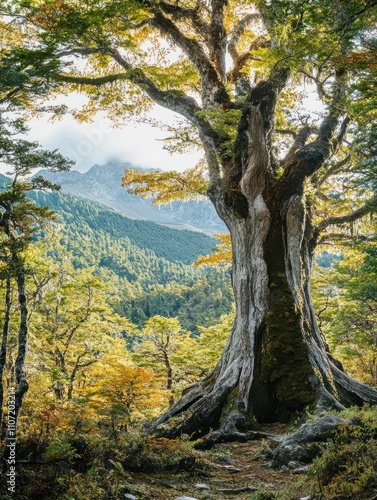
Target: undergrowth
(346, 470)
(91, 467)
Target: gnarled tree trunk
(275, 363)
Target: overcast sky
(98, 142)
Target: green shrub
(347, 467)
(86, 467)
(59, 449)
(161, 454)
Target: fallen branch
(227, 437)
(235, 491)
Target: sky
(98, 142)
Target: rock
(129, 496)
(284, 453)
(306, 498)
(225, 459)
(319, 430)
(267, 452)
(202, 486)
(168, 484)
(234, 422)
(235, 491)
(185, 498)
(301, 470)
(230, 468)
(293, 465)
(301, 446)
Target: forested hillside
(169, 244)
(103, 183)
(151, 264)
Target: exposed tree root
(229, 433)
(351, 391)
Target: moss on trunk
(284, 367)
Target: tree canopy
(208, 64)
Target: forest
(143, 362)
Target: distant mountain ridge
(164, 242)
(102, 184)
(168, 243)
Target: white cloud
(98, 142)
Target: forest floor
(238, 471)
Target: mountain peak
(114, 168)
(102, 184)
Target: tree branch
(342, 132)
(319, 83)
(300, 140)
(237, 34)
(218, 37)
(10, 94)
(214, 92)
(87, 80)
(334, 169)
(212, 161)
(344, 219)
(332, 238)
(175, 100)
(240, 61)
(84, 51)
(308, 159)
(286, 132)
(352, 18)
(180, 13)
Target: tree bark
(4, 345)
(22, 384)
(17, 268)
(21, 381)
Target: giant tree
(280, 171)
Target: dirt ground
(238, 471)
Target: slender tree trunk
(22, 384)
(59, 390)
(4, 345)
(169, 377)
(275, 363)
(72, 379)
